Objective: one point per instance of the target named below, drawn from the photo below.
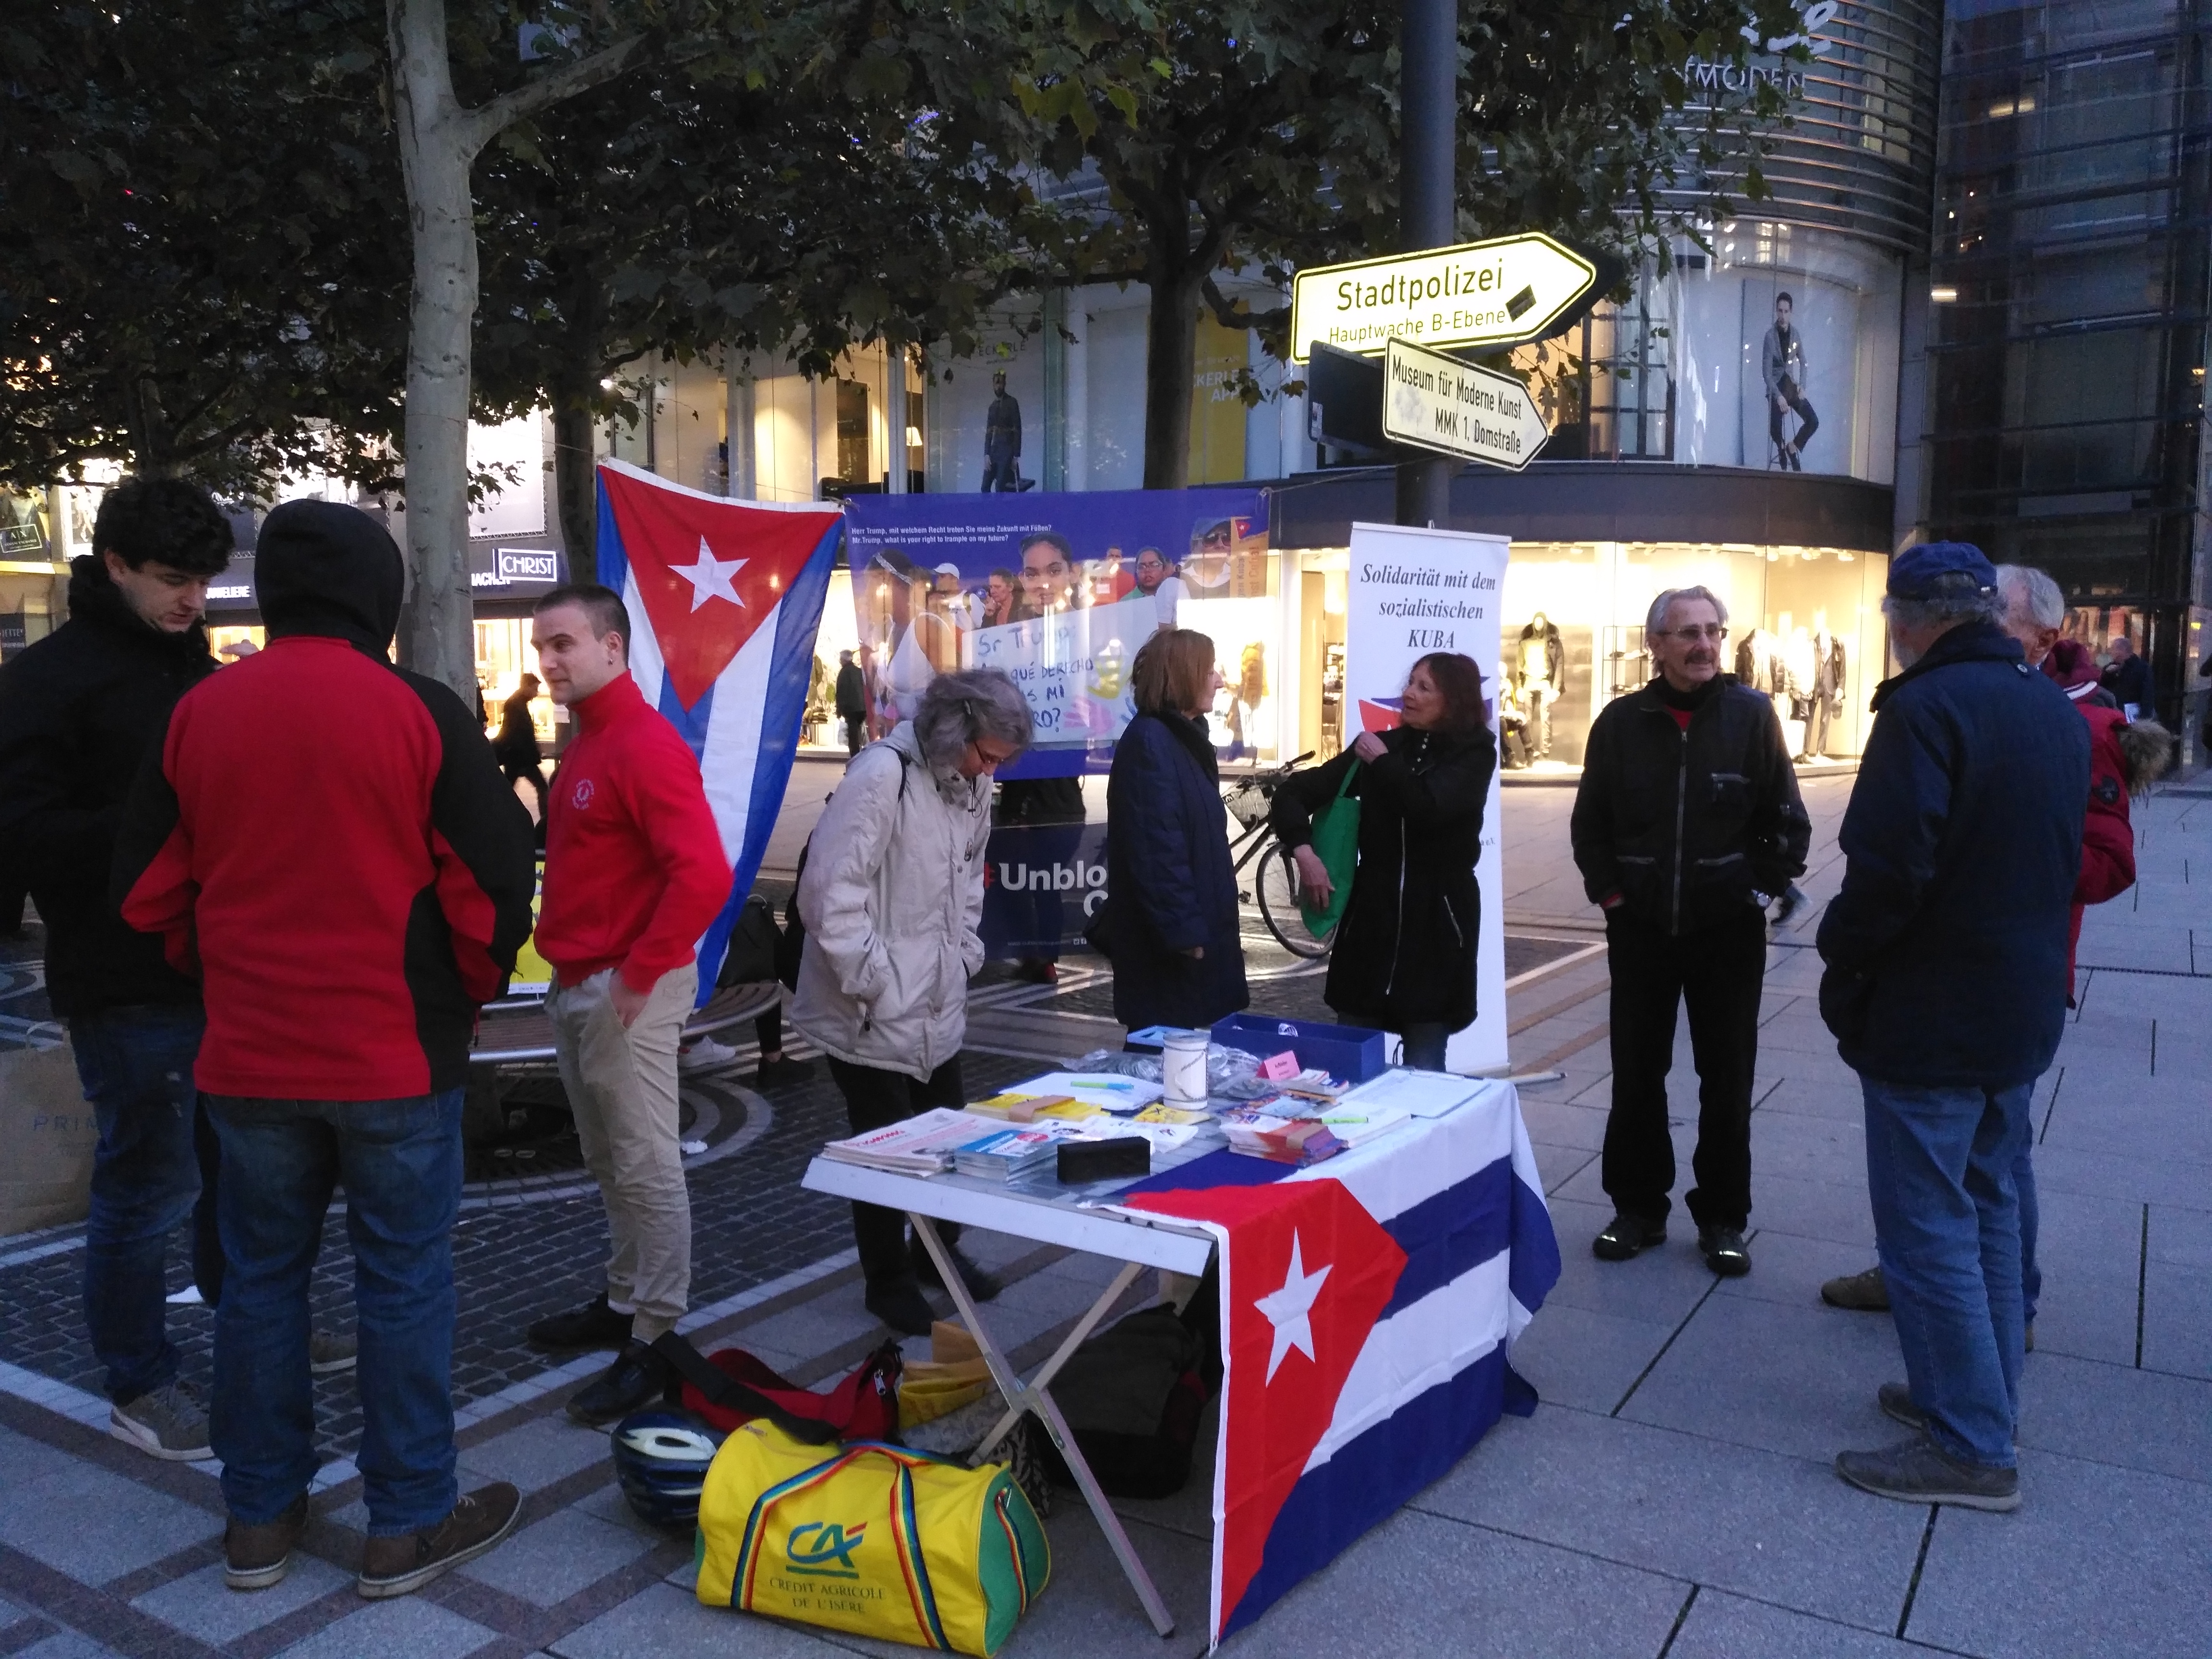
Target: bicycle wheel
(1277, 887)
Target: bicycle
(1274, 886)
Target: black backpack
(1133, 1394)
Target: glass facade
(2067, 292)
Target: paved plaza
(1671, 1498)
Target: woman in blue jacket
(1172, 933)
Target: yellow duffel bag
(869, 1537)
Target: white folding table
(1118, 1234)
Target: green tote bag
(1336, 844)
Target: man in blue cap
(1946, 988)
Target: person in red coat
(635, 873)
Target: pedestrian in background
(516, 745)
(348, 909)
(891, 896)
(1946, 988)
(2127, 677)
(852, 700)
(1172, 931)
(635, 873)
(79, 711)
(1687, 822)
(1052, 809)
(1404, 957)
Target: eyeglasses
(1691, 635)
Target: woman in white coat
(892, 896)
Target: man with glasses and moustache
(1687, 824)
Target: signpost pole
(1429, 105)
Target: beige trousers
(622, 1088)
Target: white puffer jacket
(891, 898)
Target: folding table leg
(1035, 1396)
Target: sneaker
(638, 1378)
(705, 1055)
(594, 1325)
(982, 1285)
(329, 1353)
(1725, 1251)
(1895, 1399)
(1918, 1471)
(168, 1423)
(394, 1566)
(776, 1072)
(1625, 1234)
(901, 1305)
(257, 1554)
(1866, 1292)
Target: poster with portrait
(1412, 591)
(1059, 591)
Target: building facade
(2063, 414)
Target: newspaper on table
(1418, 1094)
(923, 1145)
(1108, 1090)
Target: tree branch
(488, 120)
(1225, 313)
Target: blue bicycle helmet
(660, 1460)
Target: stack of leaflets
(1285, 1140)
(1002, 1154)
(915, 1146)
(1419, 1094)
(1355, 1123)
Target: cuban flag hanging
(726, 598)
(1367, 1306)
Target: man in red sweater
(635, 873)
(346, 908)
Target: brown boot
(397, 1565)
(1866, 1292)
(257, 1554)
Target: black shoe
(776, 1072)
(901, 1305)
(1918, 1471)
(981, 1285)
(595, 1325)
(1625, 1234)
(1895, 1399)
(638, 1378)
(1725, 1251)
(1862, 1292)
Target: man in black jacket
(1687, 822)
(78, 711)
(852, 697)
(1946, 988)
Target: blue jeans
(2031, 1276)
(400, 1163)
(135, 1065)
(1941, 1167)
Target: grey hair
(1654, 622)
(1957, 597)
(2046, 605)
(958, 709)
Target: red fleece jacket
(635, 870)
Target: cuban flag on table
(725, 598)
(1367, 1304)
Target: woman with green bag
(1405, 893)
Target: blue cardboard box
(1351, 1051)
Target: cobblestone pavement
(1672, 1498)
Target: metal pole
(1429, 102)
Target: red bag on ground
(733, 1387)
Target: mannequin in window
(1541, 671)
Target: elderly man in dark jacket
(1946, 988)
(78, 711)
(1687, 822)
